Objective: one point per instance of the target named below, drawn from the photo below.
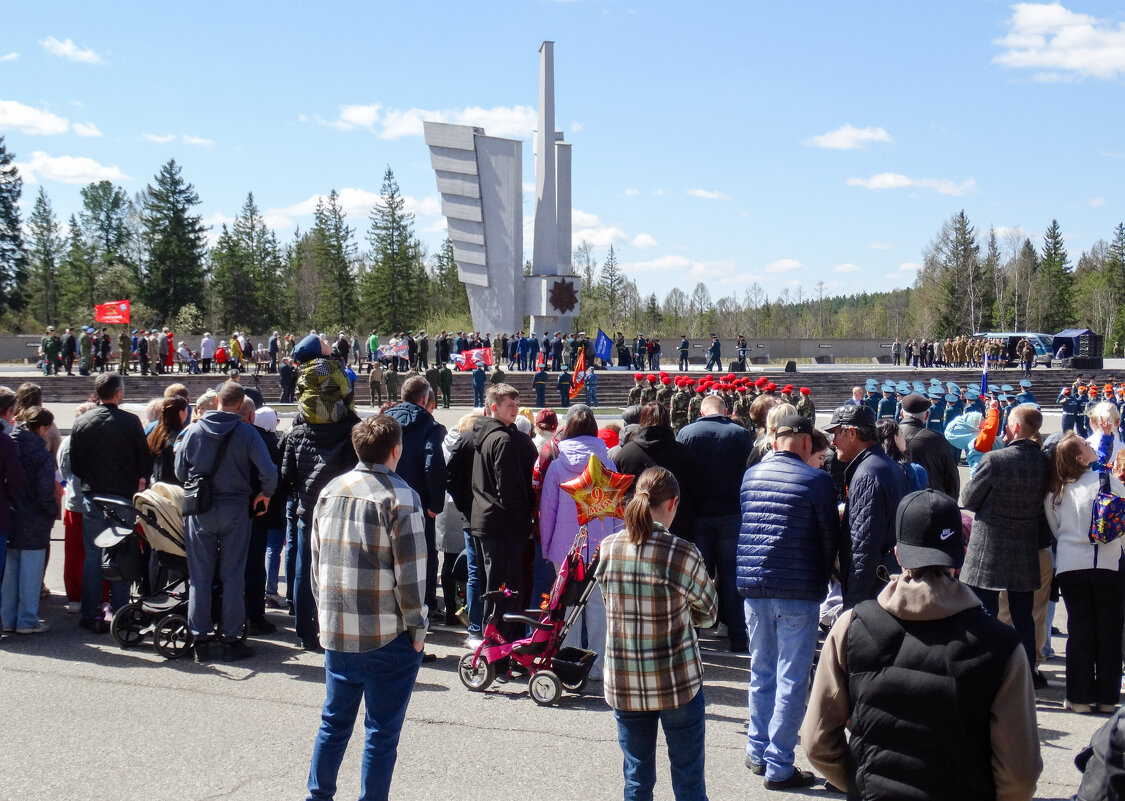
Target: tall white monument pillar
(481, 184)
(550, 293)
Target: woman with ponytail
(657, 592)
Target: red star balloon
(598, 492)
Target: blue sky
(787, 144)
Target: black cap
(793, 423)
(914, 403)
(928, 530)
(849, 415)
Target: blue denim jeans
(383, 679)
(290, 548)
(275, 544)
(19, 596)
(93, 524)
(304, 603)
(474, 588)
(782, 642)
(3, 544)
(684, 730)
(217, 541)
(717, 541)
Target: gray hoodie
(231, 479)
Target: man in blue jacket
(720, 447)
(875, 485)
(786, 549)
(422, 466)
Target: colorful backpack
(1108, 520)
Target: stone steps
(829, 387)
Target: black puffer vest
(922, 694)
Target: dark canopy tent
(1083, 348)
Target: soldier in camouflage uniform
(648, 394)
(664, 394)
(693, 405)
(805, 406)
(390, 378)
(680, 400)
(636, 389)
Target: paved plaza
(86, 719)
(89, 720)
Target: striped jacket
(655, 595)
(368, 560)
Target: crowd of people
(742, 515)
(963, 352)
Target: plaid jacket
(655, 595)
(368, 560)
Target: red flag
(579, 374)
(116, 311)
(540, 363)
(471, 358)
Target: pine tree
(611, 286)
(447, 293)
(176, 243)
(246, 272)
(78, 274)
(45, 253)
(394, 285)
(13, 260)
(335, 252)
(1053, 283)
(106, 215)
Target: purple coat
(558, 515)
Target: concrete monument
(480, 179)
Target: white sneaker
(41, 627)
(474, 643)
(74, 607)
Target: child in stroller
(551, 667)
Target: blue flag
(603, 346)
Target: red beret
(638, 376)
(761, 382)
(787, 388)
(770, 387)
(804, 390)
(665, 380)
(651, 378)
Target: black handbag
(197, 489)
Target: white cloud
(217, 220)
(28, 120)
(630, 192)
(1097, 202)
(1011, 232)
(529, 186)
(10, 57)
(849, 138)
(784, 266)
(1062, 43)
(658, 192)
(197, 140)
(644, 241)
(438, 226)
(708, 194)
(390, 123)
(157, 138)
(893, 180)
(589, 227)
(845, 268)
(86, 129)
(722, 272)
(70, 51)
(356, 203)
(575, 127)
(881, 245)
(68, 169)
(302, 118)
(909, 267)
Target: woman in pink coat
(558, 521)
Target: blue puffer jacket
(875, 487)
(790, 530)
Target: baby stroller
(162, 606)
(550, 667)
